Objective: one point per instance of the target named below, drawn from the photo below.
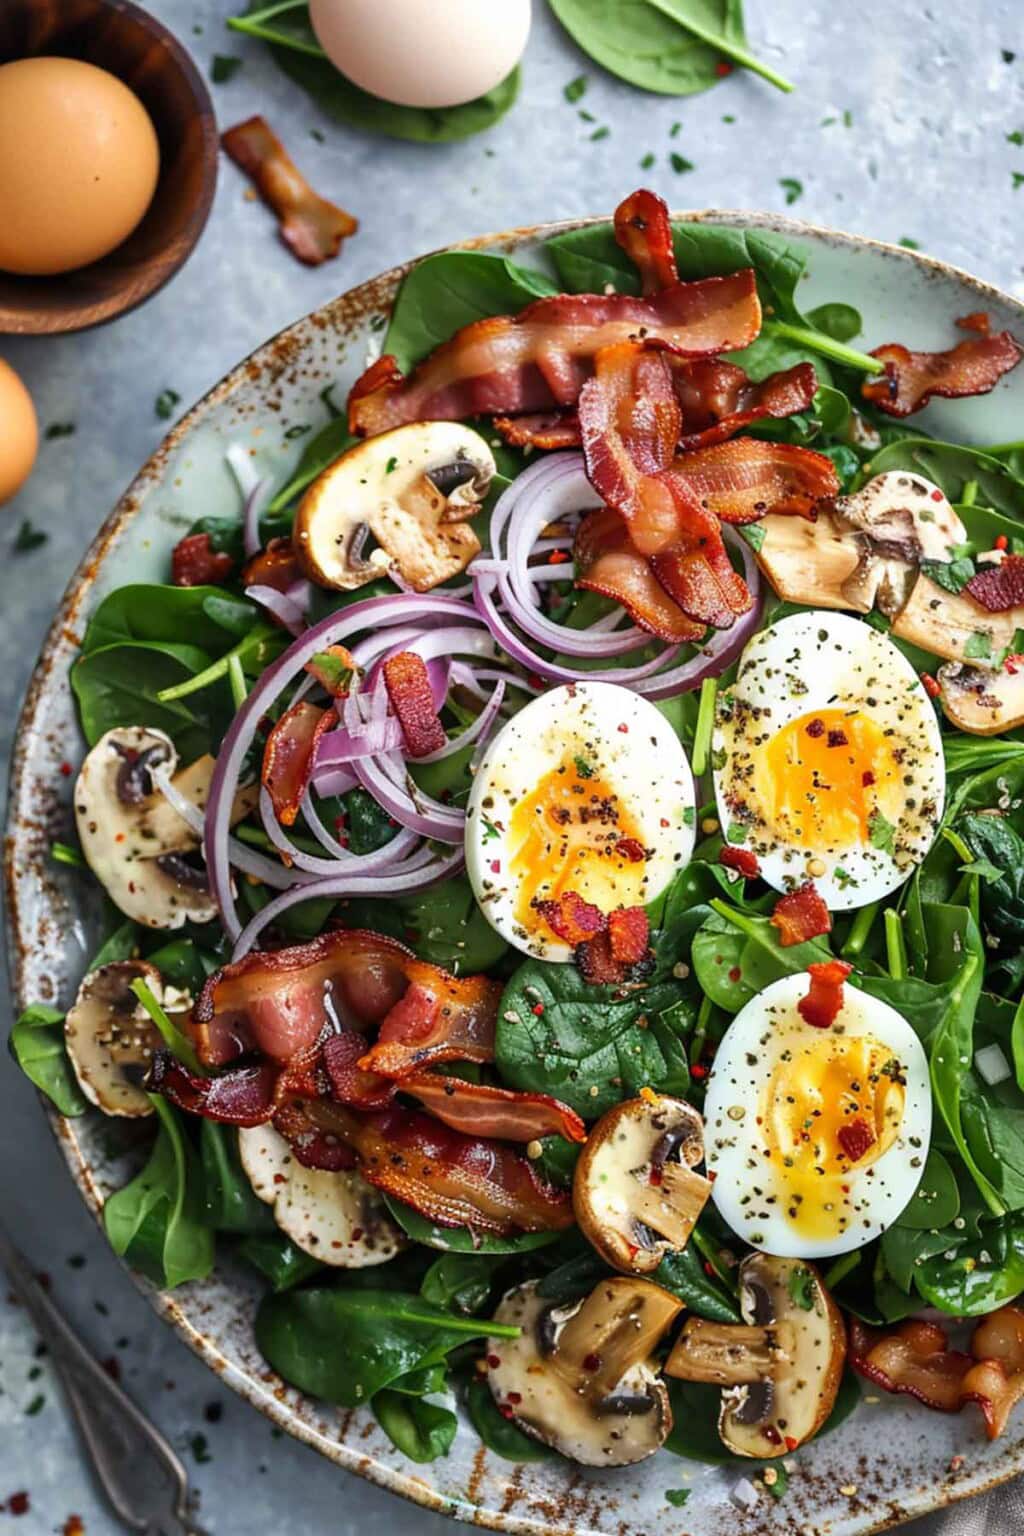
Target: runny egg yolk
(833, 1106)
(826, 776)
(573, 833)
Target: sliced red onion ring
(400, 846)
(334, 781)
(255, 503)
(283, 607)
(477, 729)
(420, 813)
(270, 871)
(392, 883)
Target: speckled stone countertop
(899, 129)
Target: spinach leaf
(695, 1410)
(37, 1045)
(228, 1199)
(994, 839)
(936, 1201)
(346, 1345)
(461, 1239)
(983, 1274)
(207, 617)
(326, 445)
(737, 954)
(421, 1430)
(278, 1260)
(461, 1281)
(591, 1046)
(683, 1274)
(499, 1434)
(182, 963)
(952, 466)
(117, 685)
(840, 321)
(450, 290)
(156, 1221)
(120, 944)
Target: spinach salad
(563, 854)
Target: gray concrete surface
(898, 129)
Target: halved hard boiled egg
(816, 1139)
(587, 790)
(828, 760)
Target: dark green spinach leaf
(37, 1045)
(156, 1221)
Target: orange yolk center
(832, 1107)
(825, 775)
(573, 833)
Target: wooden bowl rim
(85, 314)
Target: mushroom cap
(634, 1194)
(563, 1401)
(945, 623)
(110, 1037)
(133, 839)
(335, 1217)
(981, 701)
(803, 1390)
(412, 489)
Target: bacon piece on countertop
(999, 587)
(408, 686)
(608, 562)
(911, 379)
(572, 919)
(801, 915)
(288, 757)
(452, 1179)
(643, 229)
(284, 1002)
(477, 1109)
(312, 228)
(718, 398)
(545, 429)
(195, 562)
(824, 999)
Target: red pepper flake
(630, 848)
(979, 321)
(591, 1362)
(495, 866)
(791, 1443)
(494, 1361)
(735, 974)
(825, 998)
(815, 727)
(1000, 541)
(867, 778)
(698, 1071)
(506, 1411)
(723, 68)
(855, 1137)
(66, 769)
(18, 1503)
(709, 1268)
(931, 685)
(1014, 662)
(801, 915)
(938, 495)
(665, 822)
(559, 557)
(624, 728)
(538, 1010)
(741, 859)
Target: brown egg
(79, 162)
(19, 433)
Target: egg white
(750, 1190)
(822, 660)
(633, 750)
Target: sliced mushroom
(333, 1216)
(582, 1377)
(863, 551)
(134, 841)
(413, 490)
(954, 626)
(110, 1037)
(635, 1193)
(981, 701)
(779, 1369)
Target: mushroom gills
(731, 1354)
(635, 1192)
(335, 1217)
(581, 1378)
(111, 1039)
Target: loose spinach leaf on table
(278, 1260)
(208, 617)
(637, 41)
(117, 685)
(285, 26)
(459, 1239)
(421, 1430)
(156, 1221)
(229, 1203)
(346, 1345)
(497, 1432)
(37, 1045)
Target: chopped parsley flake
(165, 402)
(793, 188)
(801, 1288)
(680, 164)
(575, 89)
(881, 832)
(224, 67)
(583, 768)
(29, 537)
(979, 645)
(677, 1497)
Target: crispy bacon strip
(644, 231)
(477, 1109)
(608, 562)
(743, 860)
(801, 915)
(912, 1359)
(437, 1019)
(742, 480)
(243, 1096)
(824, 999)
(718, 399)
(999, 587)
(540, 359)
(350, 1084)
(911, 379)
(313, 1146)
(276, 566)
(545, 429)
(284, 1002)
(454, 1180)
(629, 933)
(597, 961)
(572, 919)
(288, 757)
(195, 562)
(408, 686)
(310, 227)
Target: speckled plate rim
(376, 295)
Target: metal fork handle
(125, 1449)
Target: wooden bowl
(123, 38)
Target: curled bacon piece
(740, 481)
(288, 757)
(717, 398)
(313, 1146)
(801, 915)
(629, 933)
(821, 1006)
(608, 562)
(310, 227)
(912, 1359)
(477, 1109)
(996, 1383)
(572, 919)
(350, 1084)
(744, 860)
(619, 952)
(999, 587)
(911, 379)
(195, 562)
(453, 1180)
(644, 231)
(545, 429)
(284, 1002)
(408, 686)
(243, 1096)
